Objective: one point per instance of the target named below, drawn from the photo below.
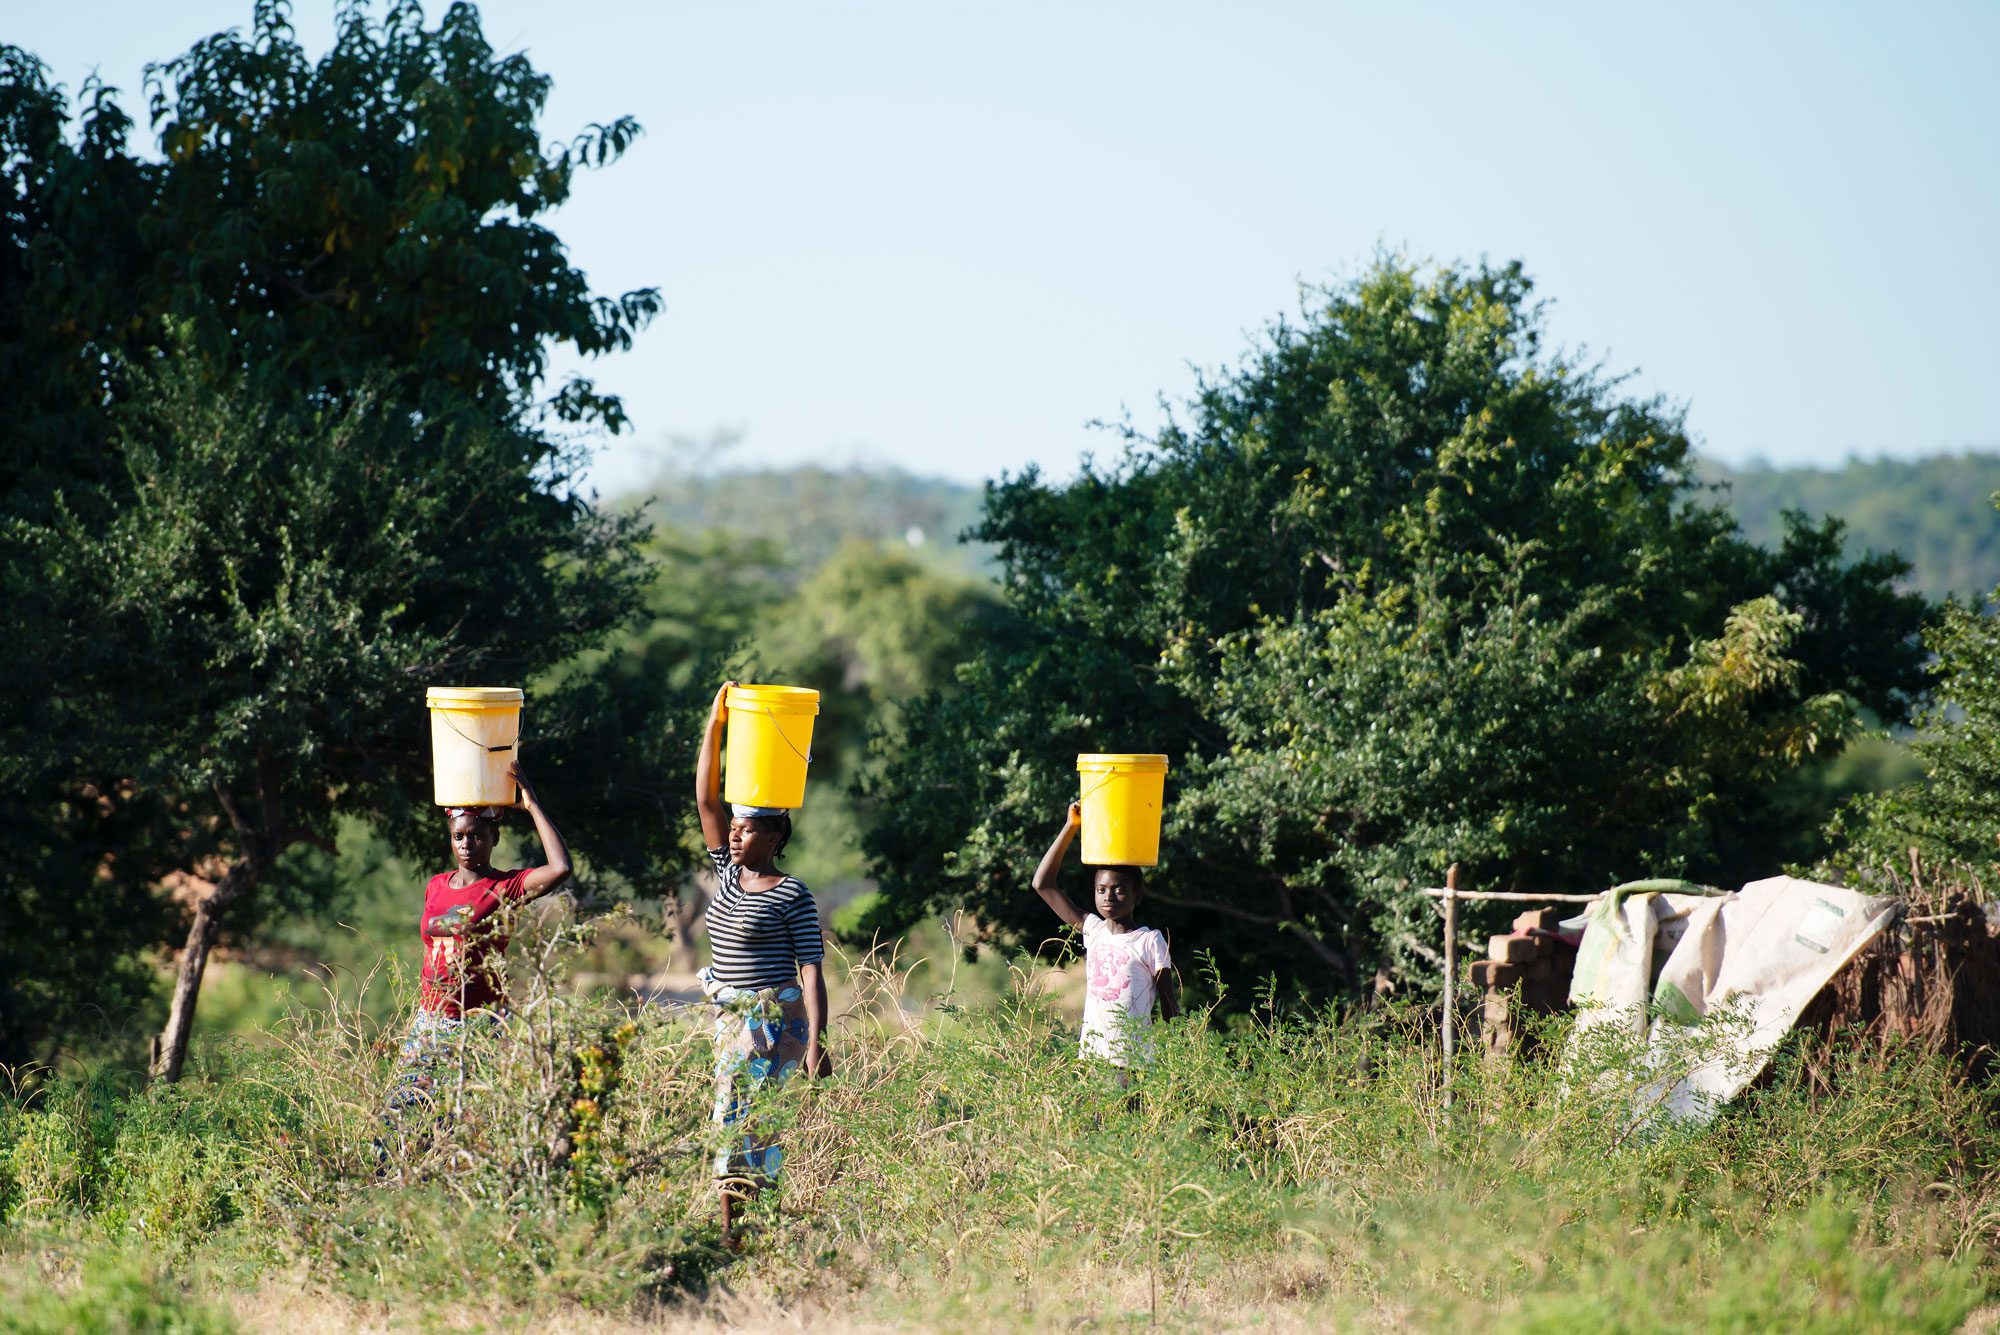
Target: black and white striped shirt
(760, 938)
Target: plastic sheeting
(1736, 968)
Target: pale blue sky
(948, 235)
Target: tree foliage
(1952, 815)
(1403, 589)
(282, 457)
(282, 556)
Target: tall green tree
(1952, 815)
(284, 581)
(286, 453)
(1406, 587)
(80, 847)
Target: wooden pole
(1450, 974)
(1510, 895)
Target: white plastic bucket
(475, 736)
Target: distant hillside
(810, 510)
(1937, 512)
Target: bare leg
(735, 1198)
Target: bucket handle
(1099, 784)
(754, 709)
(445, 714)
(1095, 786)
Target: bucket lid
(473, 697)
(774, 699)
(1121, 762)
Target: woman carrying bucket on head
(764, 976)
(1127, 966)
(464, 927)
(475, 735)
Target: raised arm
(708, 775)
(540, 880)
(1045, 874)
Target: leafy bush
(115, 1292)
(1951, 815)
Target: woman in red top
(464, 928)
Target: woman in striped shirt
(763, 976)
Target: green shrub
(58, 1150)
(964, 1169)
(115, 1292)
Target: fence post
(1450, 975)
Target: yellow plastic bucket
(1121, 809)
(769, 745)
(475, 735)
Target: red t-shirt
(463, 973)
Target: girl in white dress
(1127, 966)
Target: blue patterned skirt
(760, 1040)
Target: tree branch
(244, 834)
(1214, 906)
(270, 796)
(234, 885)
(1339, 960)
(333, 296)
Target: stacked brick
(1526, 971)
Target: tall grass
(962, 1170)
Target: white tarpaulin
(1758, 956)
(1626, 931)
